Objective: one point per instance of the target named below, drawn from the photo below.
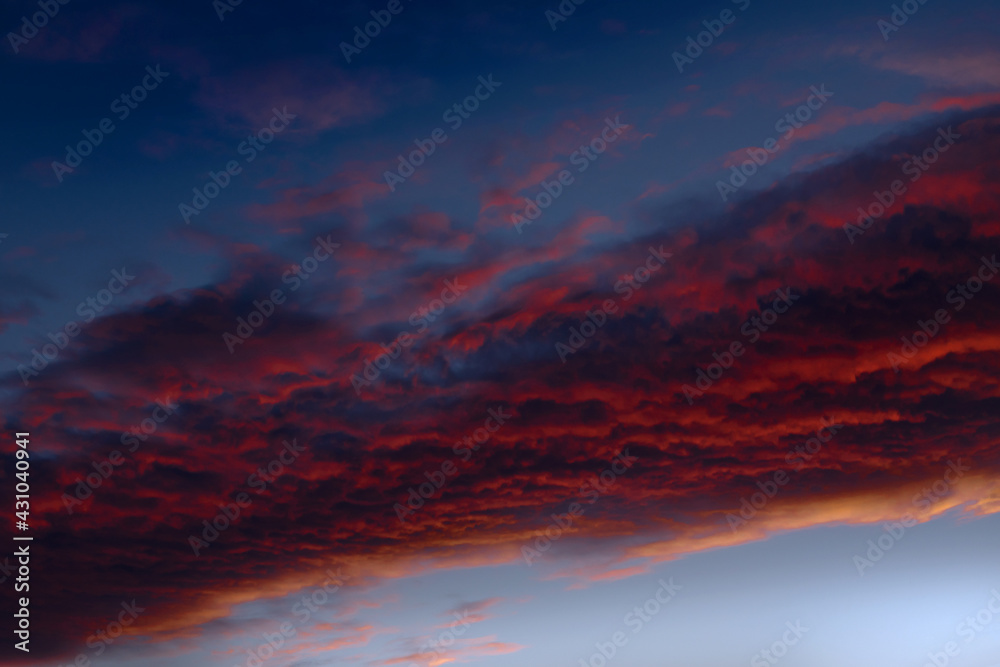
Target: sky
(519, 334)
